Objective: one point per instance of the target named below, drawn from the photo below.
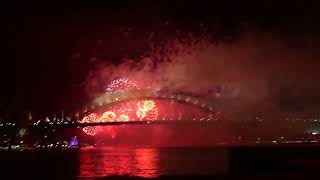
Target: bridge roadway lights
(154, 122)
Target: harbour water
(151, 162)
(106, 162)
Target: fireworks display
(135, 110)
(120, 85)
(90, 119)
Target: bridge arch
(198, 102)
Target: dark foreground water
(90, 163)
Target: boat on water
(74, 143)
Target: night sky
(49, 50)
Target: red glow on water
(147, 160)
(102, 162)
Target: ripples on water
(110, 161)
(102, 162)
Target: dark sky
(48, 50)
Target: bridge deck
(130, 123)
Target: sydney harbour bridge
(206, 106)
(125, 104)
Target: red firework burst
(91, 118)
(130, 111)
